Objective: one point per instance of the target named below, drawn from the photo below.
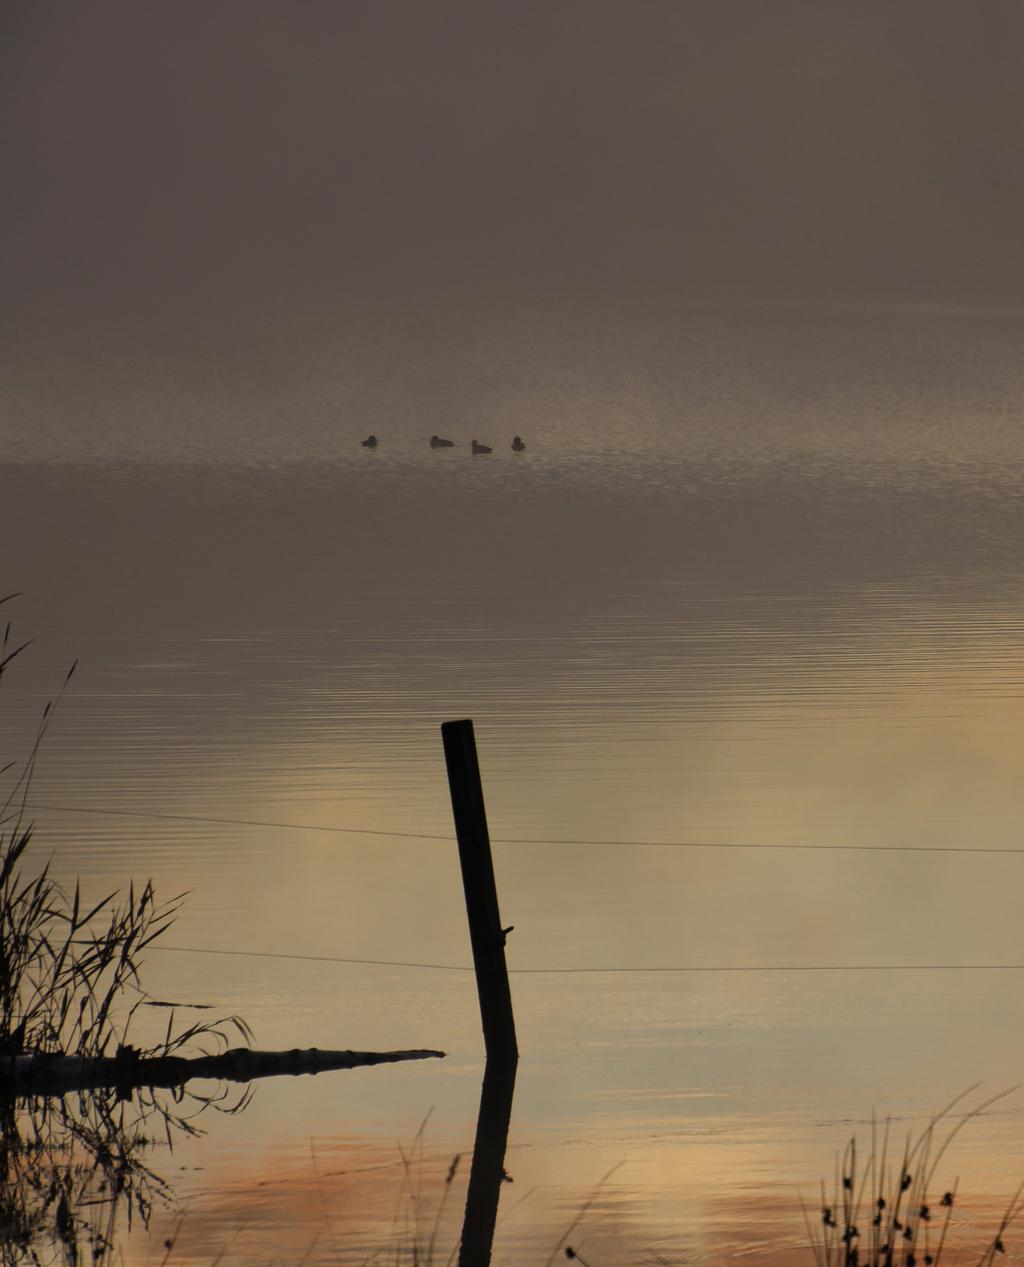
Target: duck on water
(439, 442)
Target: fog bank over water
(217, 180)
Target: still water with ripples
(741, 633)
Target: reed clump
(417, 1222)
(886, 1210)
(69, 968)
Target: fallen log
(45, 1074)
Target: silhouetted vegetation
(886, 1210)
(73, 1169)
(69, 968)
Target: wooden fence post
(485, 932)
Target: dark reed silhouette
(70, 984)
(885, 1210)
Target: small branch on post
(485, 931)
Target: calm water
(754, 586)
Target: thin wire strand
(272, 954)
(238, 822)
(449, 967)
(522, 840)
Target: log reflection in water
(73, 1173)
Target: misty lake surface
(741, 634)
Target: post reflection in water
(488, 1170)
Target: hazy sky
(176, 169)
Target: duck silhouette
(517, 444)
(477, 447)
(438, 442)
(369, 443)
